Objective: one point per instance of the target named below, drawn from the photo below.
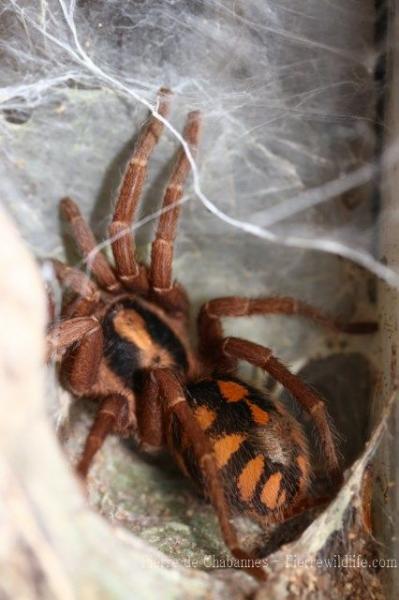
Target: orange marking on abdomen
(205, 416)
(271, 490)
(260, 416)
(232, 391)
(225, 447)
(250, 476)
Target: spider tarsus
(165, 91)
(69, 208)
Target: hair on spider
(123, 340)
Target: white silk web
(288, 95)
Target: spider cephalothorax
(123, 340)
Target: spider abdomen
(260, 450)
(137, 339)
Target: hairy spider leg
(87, 245)
(88, 294)
(161, 269)
(63, 334)
(130, 272)
(109, 419)
(211, 313)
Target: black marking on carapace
(124, 357)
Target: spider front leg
(129, 271)
(175, 403)
(88, 294)
(80, 366)
(79, 343)
(170, 294)
(87, 245)
(63, 334)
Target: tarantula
(123, 340)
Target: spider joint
(177, 400)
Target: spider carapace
(122, 340)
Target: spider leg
(122, 240)
(162, 246)
(149, 416)
(175, 403)
(111, 417)
(63, 334)
(211, 313)
(80, 366)
(260, 356)
(86, 290)
(87, 245)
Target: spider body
(123, 340)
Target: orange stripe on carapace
(271, 490)
(205, 416)
(232, 391)
(259, 415)
(250, 476)
(132, 327)
(225, 447)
